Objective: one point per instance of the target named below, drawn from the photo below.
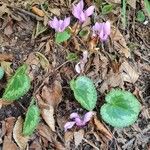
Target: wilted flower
(102, 30)
(81, 14)
(79, 67)
(77, 120)
(59, 25)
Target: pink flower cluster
(102, 30)
(77, 120)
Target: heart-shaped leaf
(84, 92)
(31, 120)
(62, 37)
(107, 9)
(140, 16)
(1, 73)
(122, 108)
(18, 85)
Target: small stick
(90, 144)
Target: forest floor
(121, 62)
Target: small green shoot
(121, 110)
(72, 57)
(106, 9)
(140, 16)
(31, 120)
(18, 85)
(62, 37)
(123, 13)
(85, 92)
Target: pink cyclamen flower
(79, 67)
(59, 25)
(81, 14)
(102, 30)
(77, 120)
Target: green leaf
(18, 85)
(72, 57)
(107, 9)
(31, 120)
(62, 37)
(1, 73)
(140, 16)
(84, 92)
(122, 108)
(147, 6)
(123, 13)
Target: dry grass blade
(17, 134)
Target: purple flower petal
(80, 5)
(107, 28)
(88, 116)
(54, 23)
(79, 122)
(69, 125)
(74, 115)
(89, 11)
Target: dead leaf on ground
(21, 140)
(128, 74)
(37, 11)
(3, 10)
(45, 132)
(48, 116)
(99, 126)
(7, 68)
(35, 145)
(132, 3)
(52, 95)
(68, 138)
(58, 145)
(55, 11)
(78, 137)
(114, 1)
(119, 42)
(8, 144)
(6, 57)
(8, 30)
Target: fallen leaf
(58, 145)
(35, 145)
(6, 57)
(7, 68)
(45, 132)
(128, 73)
(8, 144)
(3, 10)
(52, 95)
(43, 61)
(55, 11)
(99, 126)
(21, 140)
(78, 137)
(119, 42)
(48, 116)
(68, 138)
(8, 30)
(114, 1)
(37, 11)
(132, 3)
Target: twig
(90, 144)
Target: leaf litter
(114, 65)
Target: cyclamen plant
(81, 14)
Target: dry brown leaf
(35, 145)
(7, 67)
(8, 144)
(3, 10)
(128, 73)
(132, 3)
(99, 126)
(68, 138)
(48, 116)
(114, 1)
(119, 42)
(21, 140)
(58, 145)
(78, 137)
(55, 11)
(52, 95)
(37, 11)
(45, 132)
(6, 57)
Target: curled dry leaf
(52, 95)
(6, 57)
(37, 11)
(78, 137)
(68, 138)
(119, 42)
(99, 126)
(48, 116)
(8, 70)
(17, 134)
(128, 73)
